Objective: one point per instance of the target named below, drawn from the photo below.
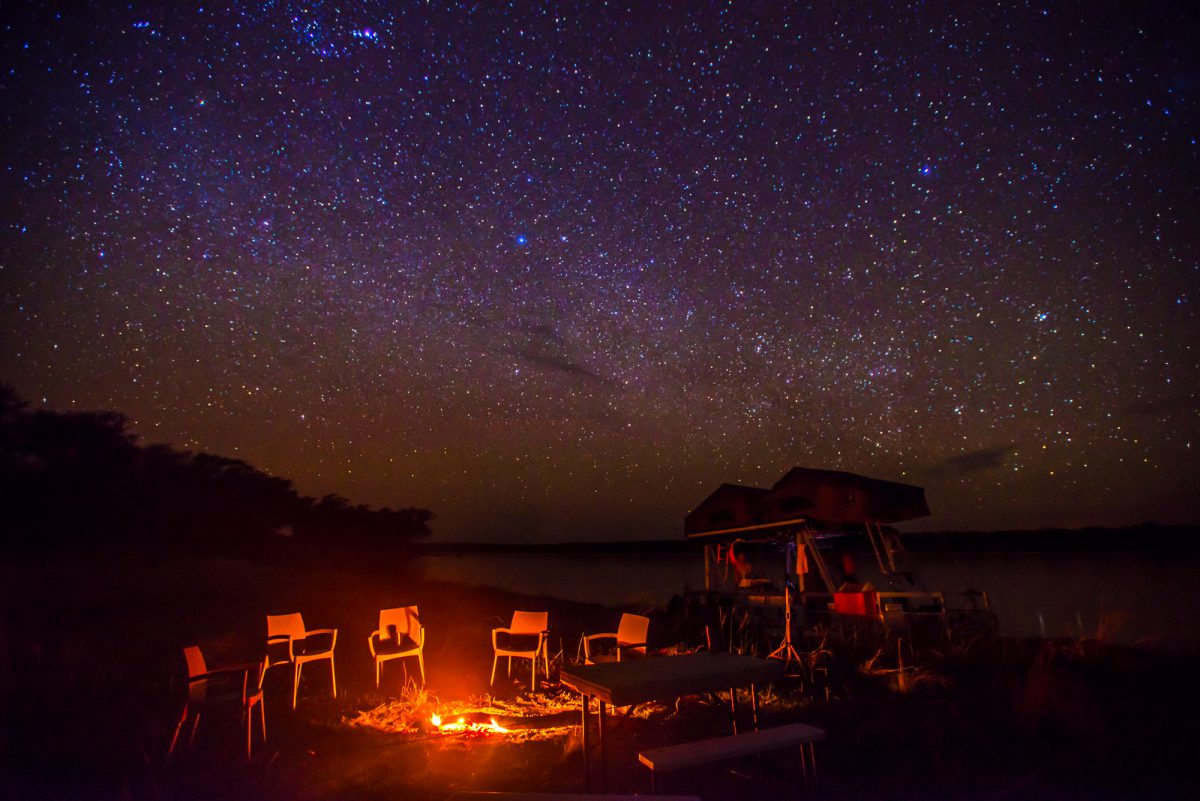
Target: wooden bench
(716, 749)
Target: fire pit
(538, 717)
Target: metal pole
(603, 756)
(587, 775)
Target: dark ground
(93, 682)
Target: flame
(462, 725)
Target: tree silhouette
(79, 479)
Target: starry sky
(557, 270)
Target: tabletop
(637, 681)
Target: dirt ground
(93, 683)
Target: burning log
(462, 725)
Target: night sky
(555, 271)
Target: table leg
(754, 705)
(603, 757)
(587, 776)
(733, 707)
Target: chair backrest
(196, 666)
(633, 628)
(530, 622)
(286, 625)
(195, 661)
(406, 620)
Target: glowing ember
(462, 725)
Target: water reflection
(1129, 597)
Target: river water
(1133, 597)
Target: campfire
(539, 716)
(461, 725)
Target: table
(638, 681)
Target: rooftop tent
(831, 500)
(833, 496)
(730, 506)
(803, 506)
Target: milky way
(557, 270)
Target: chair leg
(178, 728)
(333, 676)
(495, 659)
(195, 727)
(295, 683)
(377, 673)
(533, 677)
(421, 664)
(262, 716)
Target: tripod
(786, 651)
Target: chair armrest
(371, 640)
(243, 668)
(212, 674)
(332, 632)
(282, 639)
(588, 638)
(541, 635)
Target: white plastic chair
(211, 686)
(400, 634)
(525, 638)
(303, 646)
(629, 638)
